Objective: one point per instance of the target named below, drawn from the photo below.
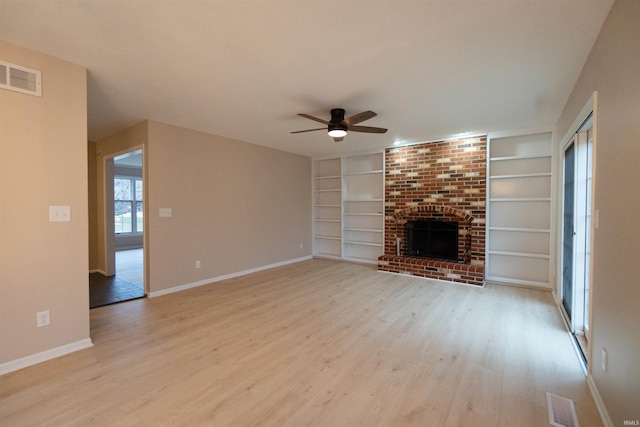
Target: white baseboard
(602, 409)
(98, 271)
(225, 277)
(34, 359)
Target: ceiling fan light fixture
(338, 126)
(337, 133)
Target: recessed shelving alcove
(349, 207)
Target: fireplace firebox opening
(429, 238)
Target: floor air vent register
(562, 413)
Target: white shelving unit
(519, 210)
(349, 223)
(363, 207)
(327, 208)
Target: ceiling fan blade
(306, 116)
(338, 139)
(366, 129)
(308, 130)
(360, 117)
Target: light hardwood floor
(317, 343)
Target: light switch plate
(59, 213)
(165, 212)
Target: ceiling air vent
(20, 79)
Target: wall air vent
(20, 79)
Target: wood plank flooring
(317, 343)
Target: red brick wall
(445, 180)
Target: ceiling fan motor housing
(337, 117)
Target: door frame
(108, 213)
(588, 113)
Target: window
(127, 197)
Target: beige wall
(236, 206)
(613, 69)
(43, 162)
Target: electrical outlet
(197, 264)
(604, 360)
(43, 318)
(301, 245)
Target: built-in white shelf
(368, 230)
(320, 236)
(520, 199)
(520, 254)
(520, 229)
(357, 242)
(371, 172)
(512, 281)
(363, 207)
(357, 207)
(508, 158)
(328, 177)
(523, 175)
(327, 208)
(519, 210)
(321, 254)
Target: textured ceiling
(244, 68)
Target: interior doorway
(124, 228)
(576, 232)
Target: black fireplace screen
(432, 239)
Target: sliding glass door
(568, 229)
(576, 231)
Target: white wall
(43, 162)
(613, 69)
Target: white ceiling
(244, 68)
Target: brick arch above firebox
(401, 214)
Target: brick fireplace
(446, 181)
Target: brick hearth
(443, 180)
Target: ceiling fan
(338, 126)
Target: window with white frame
(127, 197)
